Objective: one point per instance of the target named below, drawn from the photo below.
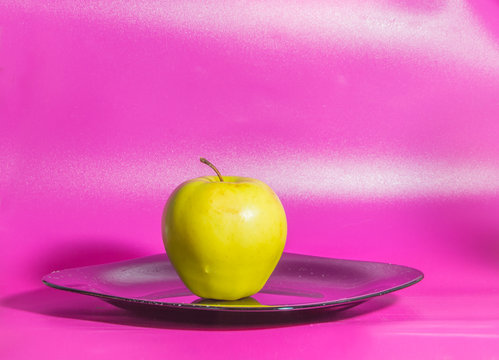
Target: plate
(299, 282)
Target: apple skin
(224, 239)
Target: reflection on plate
(298, 282)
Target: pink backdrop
(377, 123)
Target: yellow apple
(224, 235)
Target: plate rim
(269, 308)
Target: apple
(224, 235)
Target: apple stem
(204, 161)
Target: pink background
(376, 122)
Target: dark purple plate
(298, 282)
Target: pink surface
(375, 121)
